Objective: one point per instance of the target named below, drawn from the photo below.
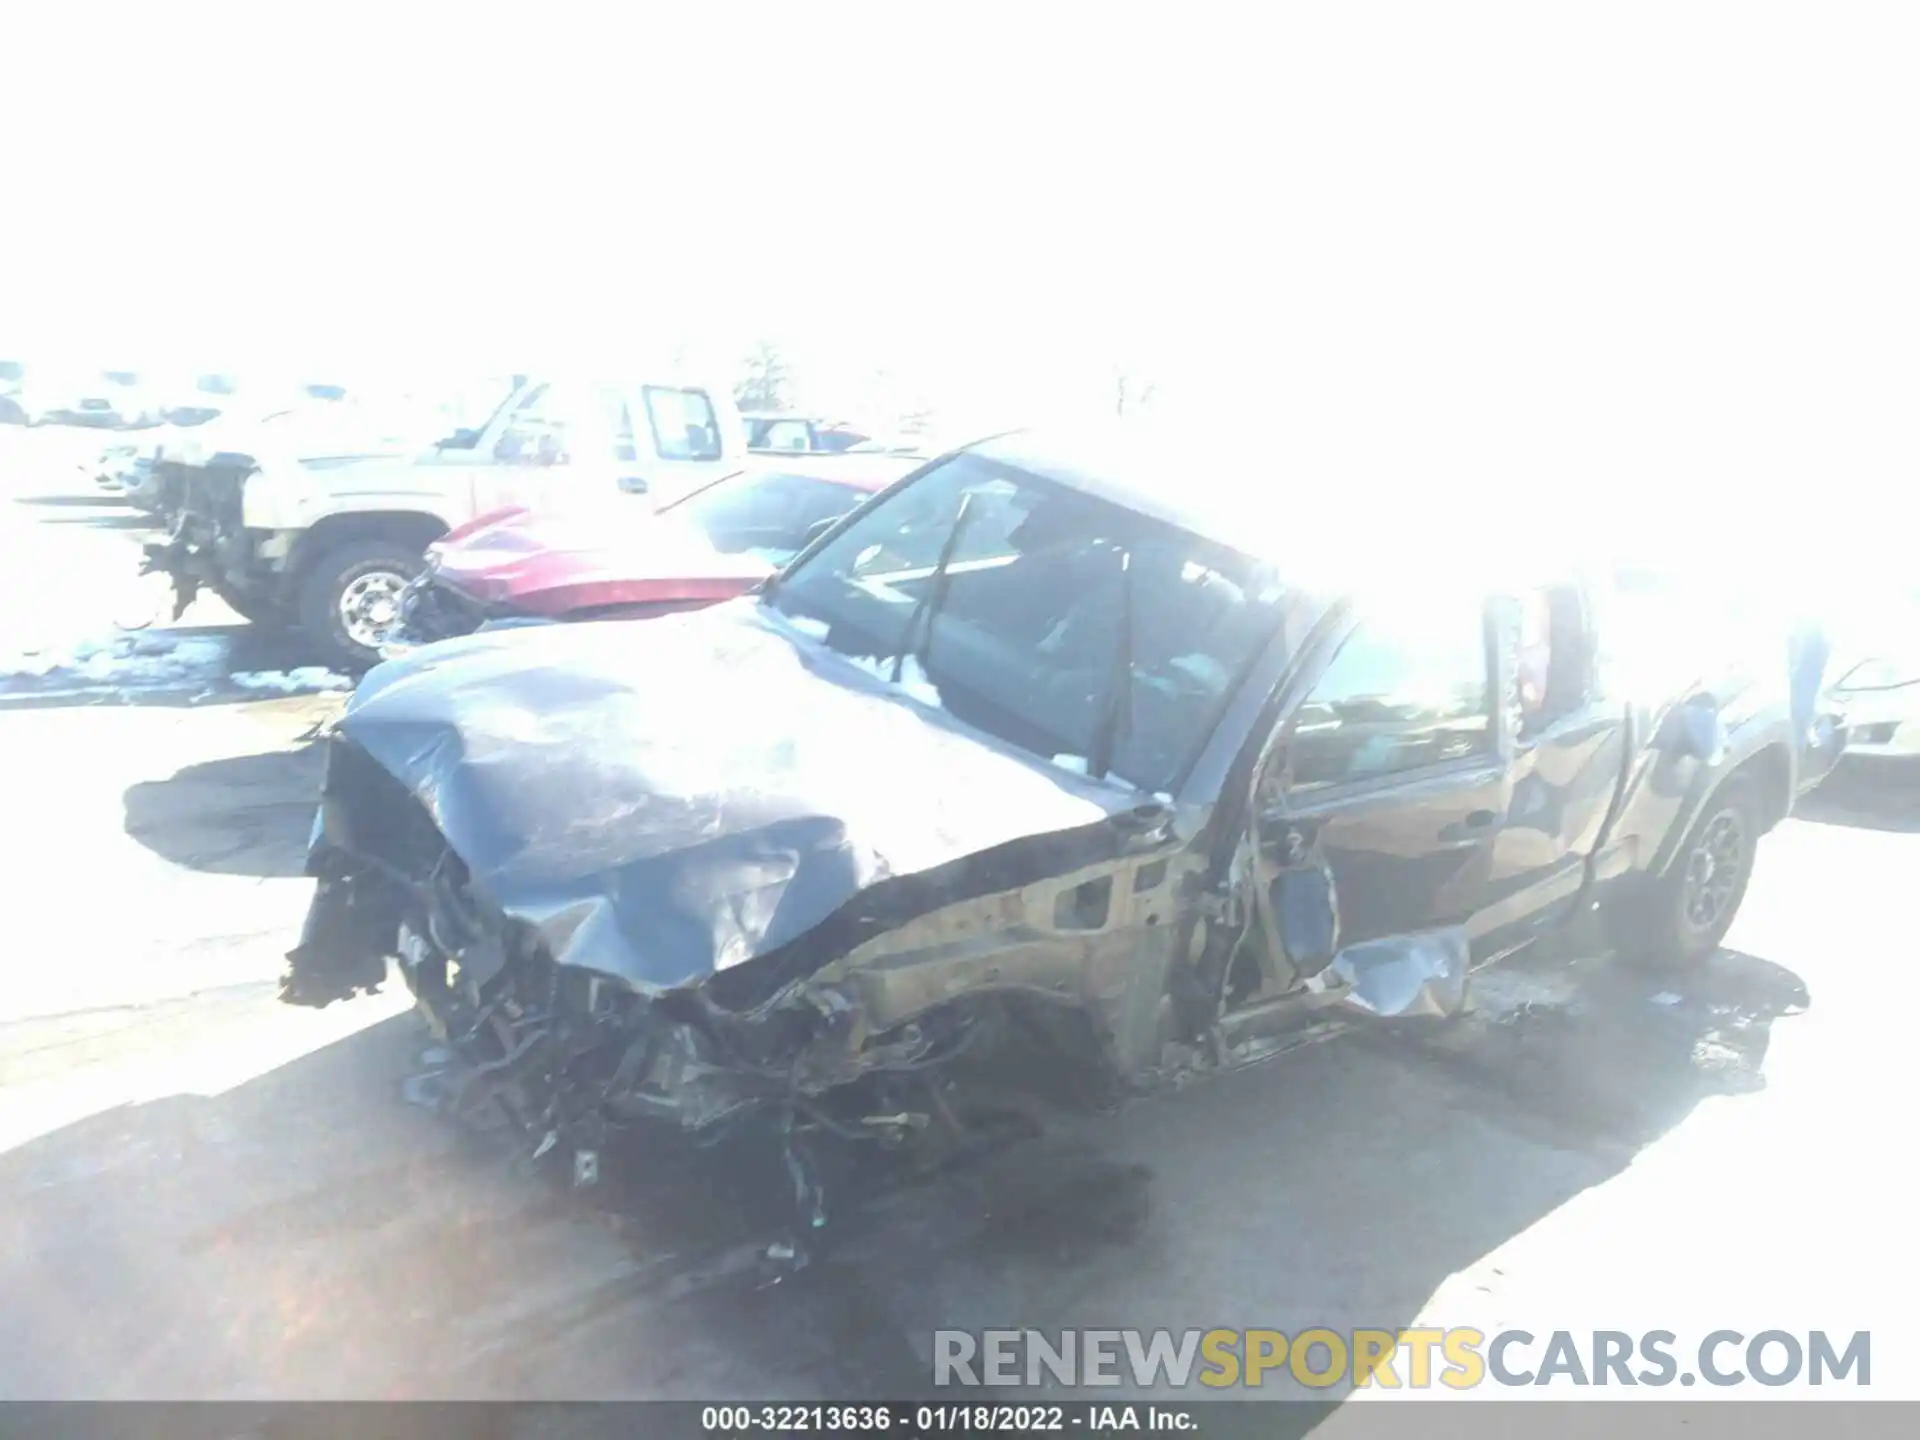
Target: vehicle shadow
(241, 815)
(305, 1233)
(268, 647)
(97, 521)
(184, 695)
(1598, 1049)
(90, 502)
(1866, 793)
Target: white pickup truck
(286, 533)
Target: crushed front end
(207, 542)
(622, 898)
(556, 1056)
(432, 610)
(545, 1047)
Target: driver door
(1377, 809)
(1567, 741)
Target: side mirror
(460, 440)
(1146, 826)
(633, 484)
(816, 530)
(1699, 733)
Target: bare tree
(765, 384)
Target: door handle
(1470, 831)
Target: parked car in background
(125, 469)
(896, 445)
(1881, 699)
(117, 399)
(289, 530)
(134, 398)
(200, 399)
(799, 434)
(1746, 621)
(721, 541)
(1875, 670)
(1060, 737)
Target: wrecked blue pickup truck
(1044, 729)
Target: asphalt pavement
(207, 1194)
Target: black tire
(1680, 919)
(327, 582)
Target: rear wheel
(350, 598)
(1683, 917)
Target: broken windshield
(1065, 624)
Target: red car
(518, 566)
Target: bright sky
(1649, 262)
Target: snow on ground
(119, 659)
(301, 680)
(133, 662)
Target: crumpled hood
(666, 798)
(552, 565)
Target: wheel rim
(370, 607)
(1714, 869)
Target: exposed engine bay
(603, 946)
(558, 1056)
